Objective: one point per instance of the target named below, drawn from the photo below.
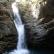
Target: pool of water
(42, 51)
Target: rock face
(40, 29)
(8, 34)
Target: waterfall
(21, 46)
(19, 27)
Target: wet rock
(39, 32)
(8, 33)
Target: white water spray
(21, 48)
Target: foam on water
(22, 51)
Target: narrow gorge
(26, 26)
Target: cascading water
(21, 47)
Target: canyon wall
(8, 33)
(38, 18)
